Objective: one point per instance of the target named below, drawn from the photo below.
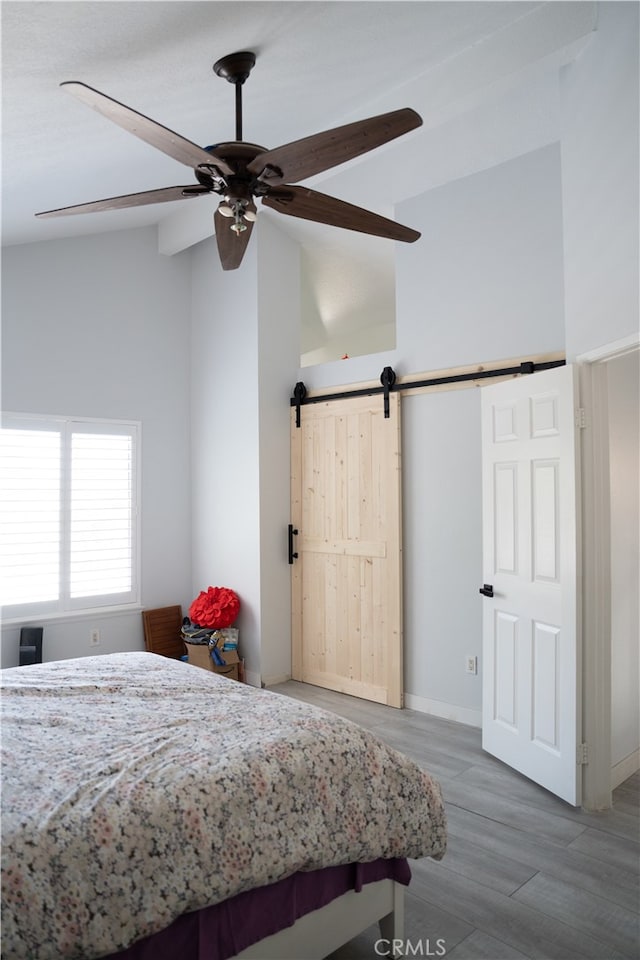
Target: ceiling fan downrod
(235, 68)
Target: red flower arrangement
(215, 608)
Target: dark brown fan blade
(303, 158)
(231, 246)
(311, 205)
(129, 200)
(148, 130)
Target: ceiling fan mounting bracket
(235, 67)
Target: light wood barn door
(346, 580)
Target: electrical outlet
(471, 664)
(94, 638)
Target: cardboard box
(200, 656)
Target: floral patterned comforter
(136, 788)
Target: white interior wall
(99, 327)
(348, 299)
(624, 479)
(225, 436)
(485, 279)
(599, 101)
(372, 338)
(442, 507)
(245, 350)
(279, 350)
(313, 335)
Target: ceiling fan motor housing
(241, 185)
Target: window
(68, 514)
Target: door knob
(487, 590)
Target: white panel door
(531, 690)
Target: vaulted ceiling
(319, 64)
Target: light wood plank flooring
(525, 875)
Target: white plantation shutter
(68, 514)
(101, 514)
(30, 515)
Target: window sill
(72, 616)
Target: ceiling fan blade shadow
(231, 245)
(144, 128)
(128, 200)
(304, 158)
(311, 205)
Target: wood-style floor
(525, 874)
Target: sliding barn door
(346, 579)
(531, 670)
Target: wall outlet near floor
(471, 664)
(94, 638)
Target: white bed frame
(322, 931)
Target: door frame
(596, 567)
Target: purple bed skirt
(226, 928)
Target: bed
(146, 800)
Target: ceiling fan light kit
(241, 172)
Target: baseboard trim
(446, 711)
(624, 768)
(272, 681)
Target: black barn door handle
(487, 590)
(292, 533)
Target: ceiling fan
(241, 172)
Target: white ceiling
(319, 64)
